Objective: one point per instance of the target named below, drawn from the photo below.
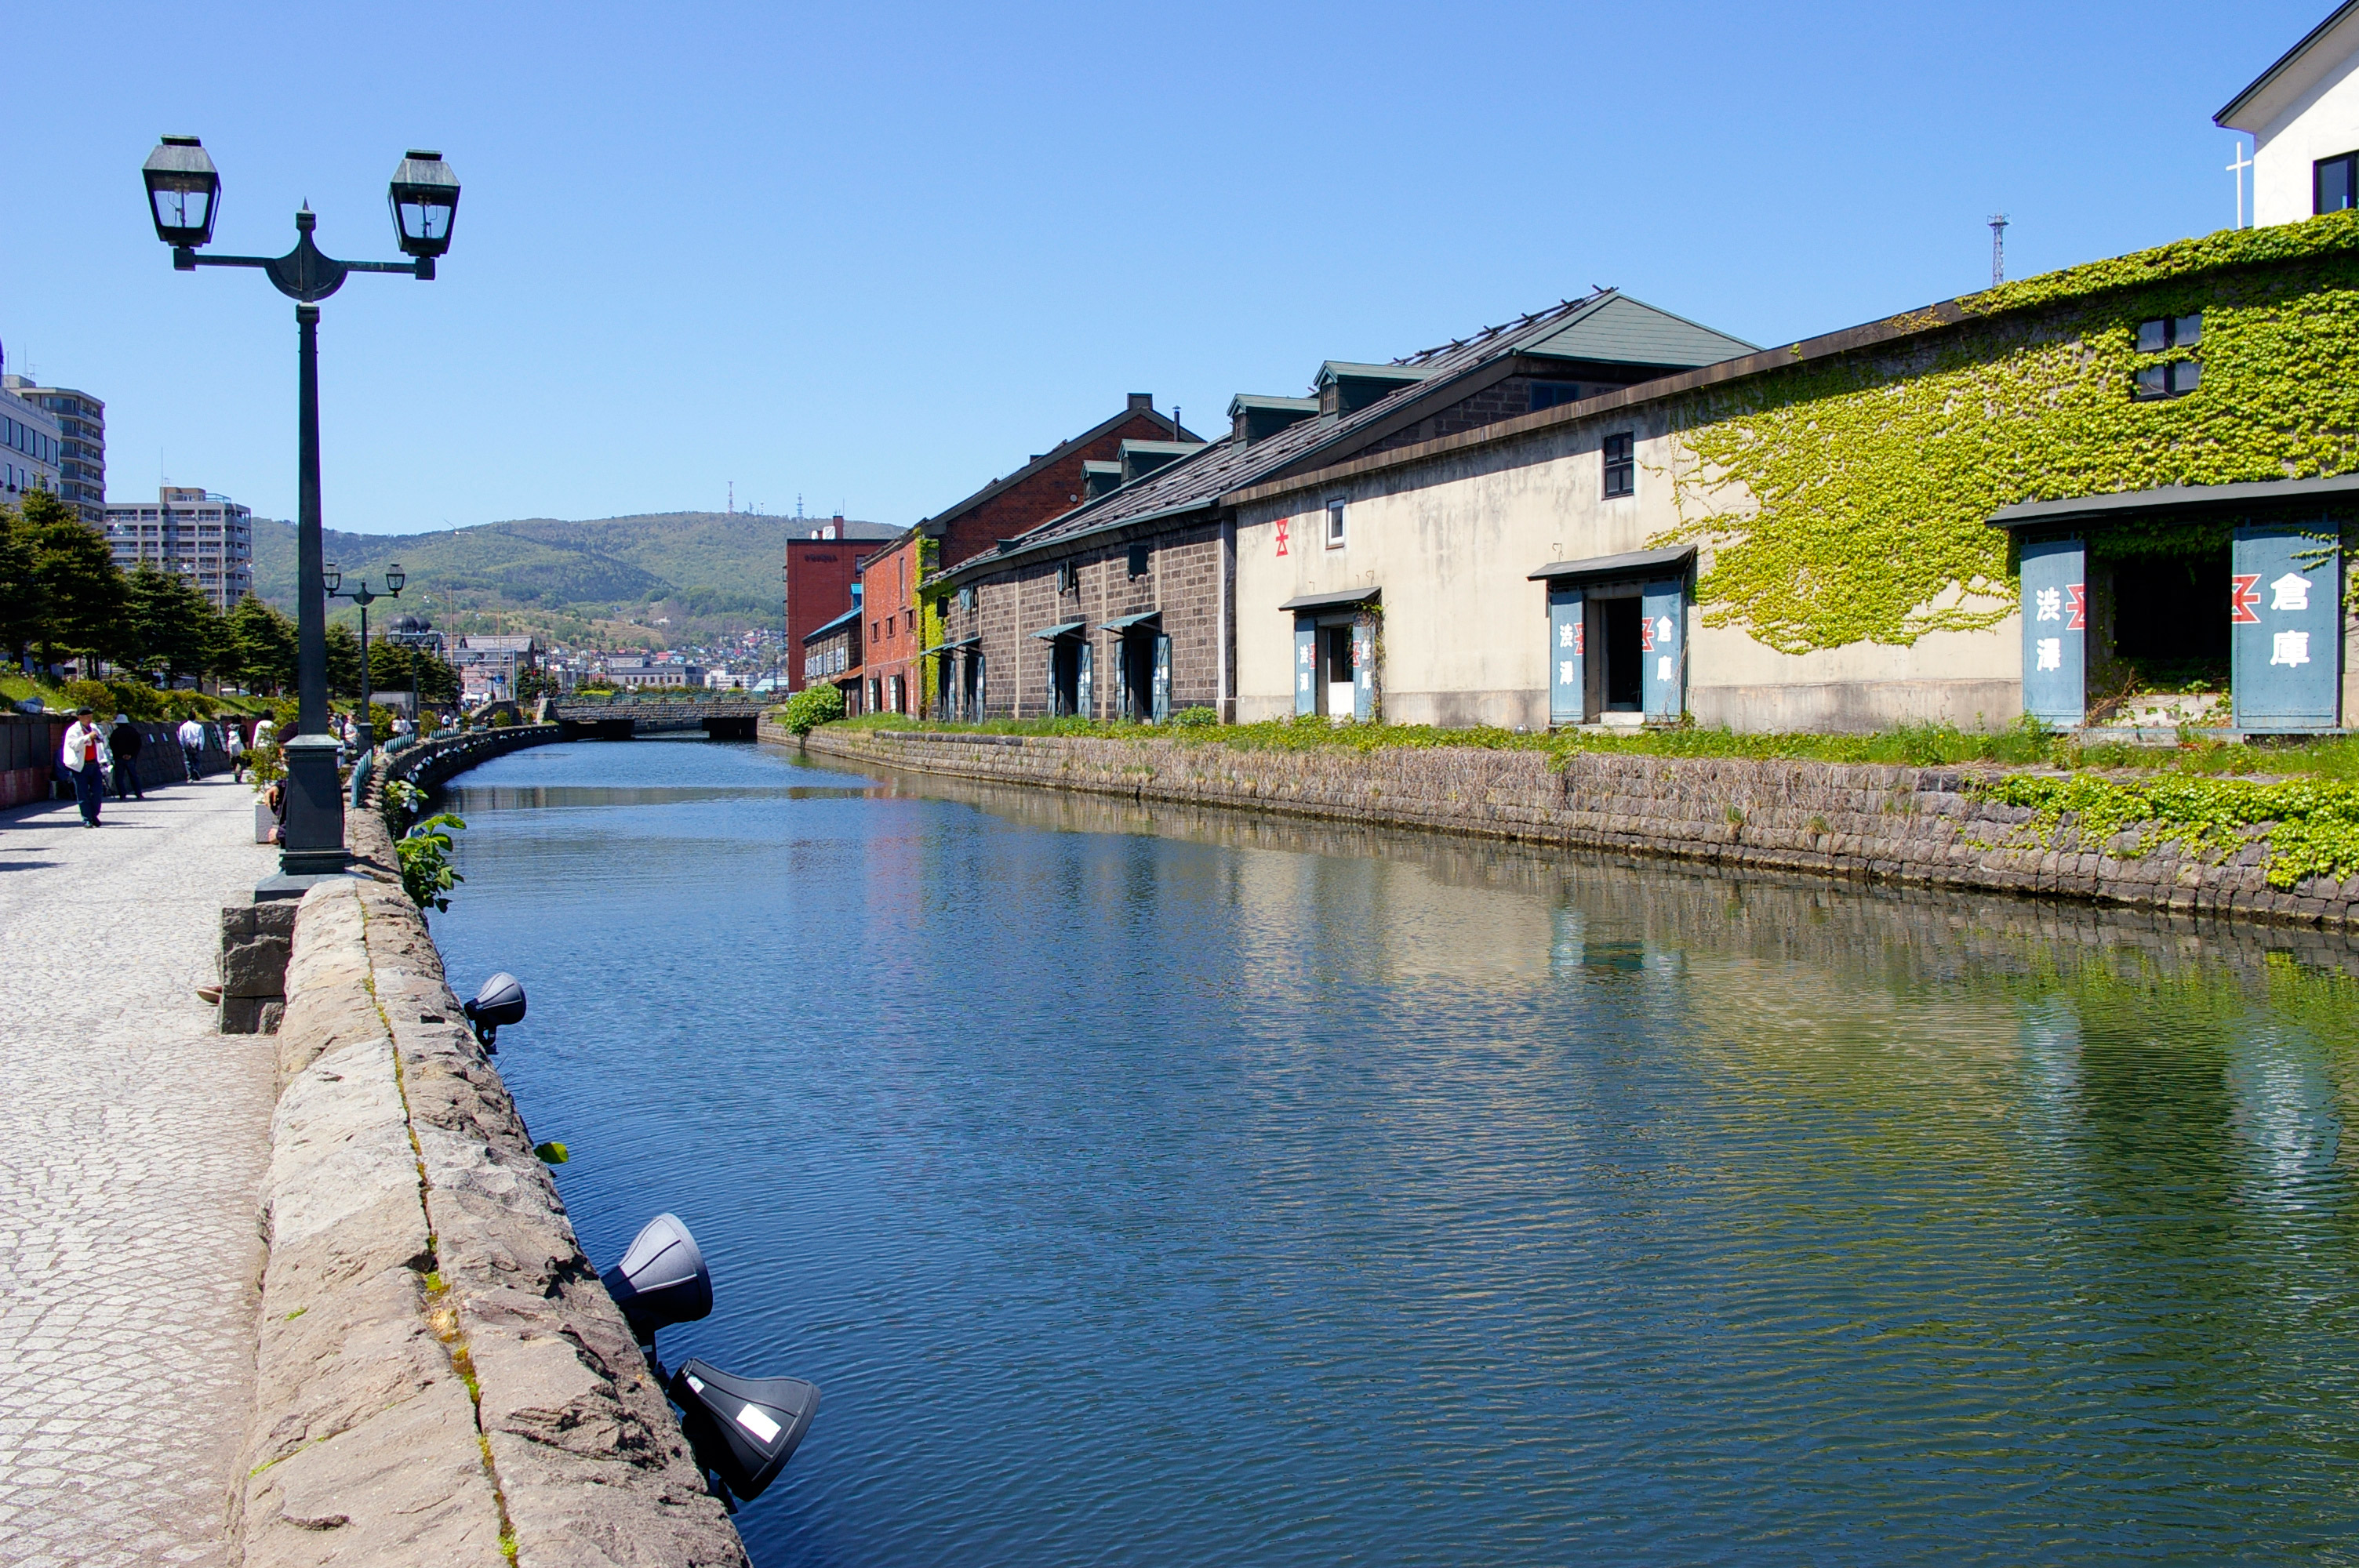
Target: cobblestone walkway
(132, 1140)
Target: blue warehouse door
(1364, 670)
(1306, 666)
(1161, 690)
(2056, 631)
(2285, 625)
(1082, 704)
(1568, 700)
(977, 688)
(1662, 648)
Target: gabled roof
(1064, 450)
(2275, 90)
(1197, 483)
(1621, 331)
(1244, 400)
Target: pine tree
(258, 647)
(83, 597)
(343, 661)
(21, 600)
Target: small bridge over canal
(722, 716)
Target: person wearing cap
(123, 742)
(85, 755)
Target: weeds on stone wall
(2025, 745)
(1847, 501)
(2310, 826)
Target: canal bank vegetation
(2300, 816)
(2024, 745)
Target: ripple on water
(1239, 1192)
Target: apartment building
(81, 444)
(205, 538)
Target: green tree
(170, 625)
(343, 661)
(259, 647)
(81, 589)
(20, 589)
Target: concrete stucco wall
(2321, 122)
(1453, 544)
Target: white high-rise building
(205, 538)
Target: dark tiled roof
(1197, 482)
(1049, 460)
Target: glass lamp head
(425, 198)
(332, 577)
(393, 578)
(183, 191)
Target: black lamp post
(184, 198)
(331, 578)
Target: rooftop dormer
(1346, 387)
(1255, 418)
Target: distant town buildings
(488, 667)
(81, 444)
(417, 633)
(205, 538)
(32, 442)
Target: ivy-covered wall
(1846, 501)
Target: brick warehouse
(819, 572)
(896, 677)
(1126, 606)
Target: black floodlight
(425, 197)
(743, 1429)
(499, 1004)
(662, 1279)
(393, 578)
(183, 192)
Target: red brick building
(895, 631)
(820, 571)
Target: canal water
(1182, 1189)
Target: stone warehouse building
(1122, 607)
(2108, 493)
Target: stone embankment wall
(1925, 827)
(440, 1379)
(430, 762)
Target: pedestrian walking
(192, 746)
(122, 743)
(84, 756)
(264, 732)
(236, 752)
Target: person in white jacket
(85, 758)
(191, 736)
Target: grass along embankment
(2294, 805)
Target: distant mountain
(708, 574)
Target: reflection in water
(1167, 1185)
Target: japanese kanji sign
(2285, 609)
(2055, 631)
(1568, 701)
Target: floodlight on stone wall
(499, 1004)
(743, 1429)
(662, 1279)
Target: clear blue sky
(878, 256)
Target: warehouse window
(1620, 464)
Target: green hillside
(612, 581)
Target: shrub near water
(810, 707)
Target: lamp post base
(314, 844)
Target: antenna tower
(1998, 249)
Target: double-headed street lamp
(184, 198)
(331, 578)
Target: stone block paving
(133, 1144)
